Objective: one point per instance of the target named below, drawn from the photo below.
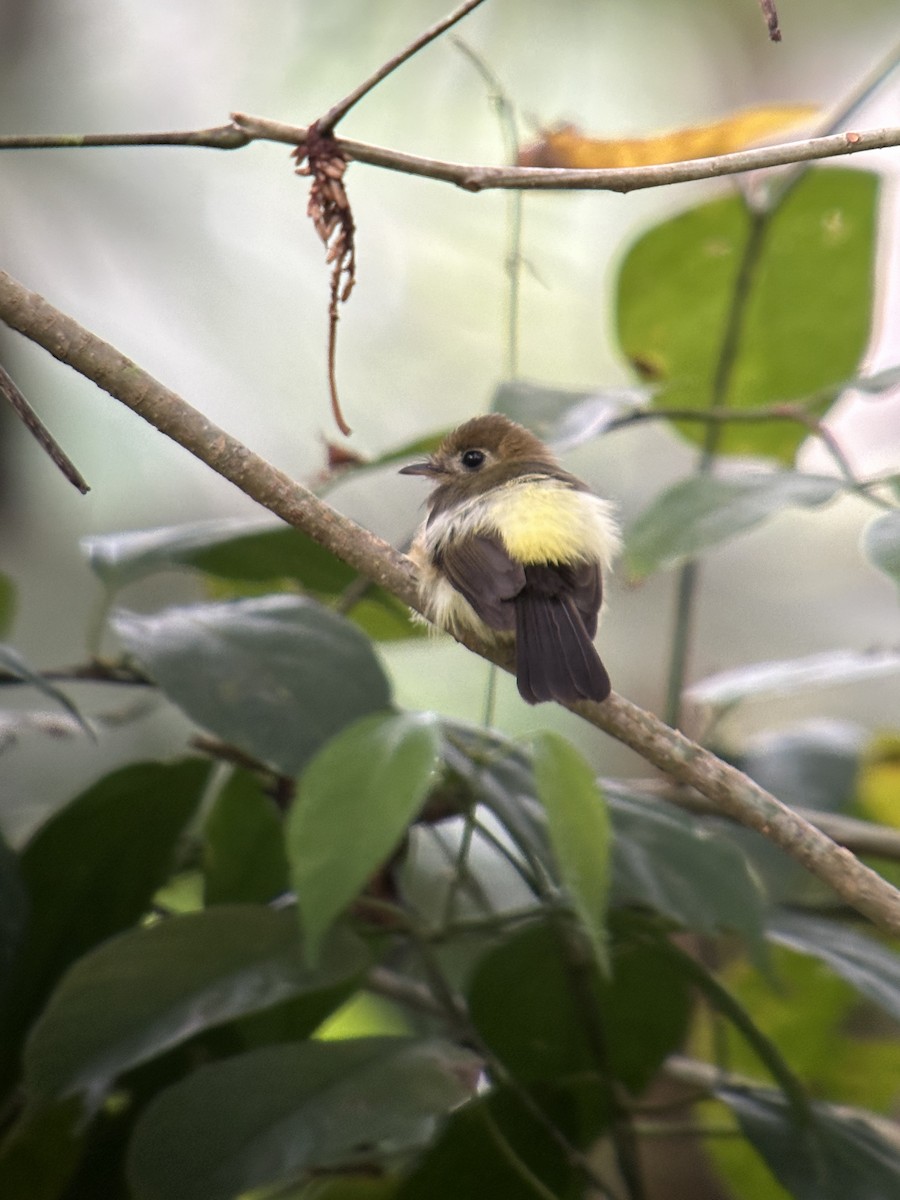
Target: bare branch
(40, 432)
(338, 111)
(246, 129)
(732, 792)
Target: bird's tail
(555, 657)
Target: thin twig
(770, 16)
(40, 432)
(733, 792)
(338, 111)
(245, 129)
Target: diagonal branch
(733, 793)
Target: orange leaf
(566, 145)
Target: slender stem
(689, 575)
(338, 111)
(39, 431)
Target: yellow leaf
(566, 145)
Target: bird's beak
(420, 468)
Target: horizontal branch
(734, 794)
(245, 129)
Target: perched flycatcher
(515, 545)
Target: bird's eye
(472, 459)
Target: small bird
(515, 545)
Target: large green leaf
(550, 1017)
(579, 831)
(872, 968)
(91, 871)
(276, 676)
(246, 554)
(674, 864)
(243, 848)
(705, 511)
(145, 991)
(806, 309)
(881, 544)
(839, 1154)
(276, 1114)
(354, 802)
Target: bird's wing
(480, 569)
(586, 583)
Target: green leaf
(247, 554)
(354, 803)
(276, 1114)
(244, 858)
(13, 909)
(839, 1154)
(492, 1149)
(539, 1005)
(806, 310)
(566, 418)
(705, 511)
(881, 544)
(249, 551)
(678, 867)
(579, 831)
(91, 871)
(12, 661)
(787, 676)
(40, 1154)
(276, 676)
(7, 604)
(872, 968)
(149, 989)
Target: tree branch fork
(730, 792)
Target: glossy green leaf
(276, 1114)
(91, 871)
(145, 991)
(705, 511)
(539, 1006)
(244, 859)
(806, 307)
(578, 821)
(677, 866)
(881, 544)
(840, 1154)
(354, 803)
(871, 967)
(276, 676)
(787, 676)
(15, 664)
(7, 604)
